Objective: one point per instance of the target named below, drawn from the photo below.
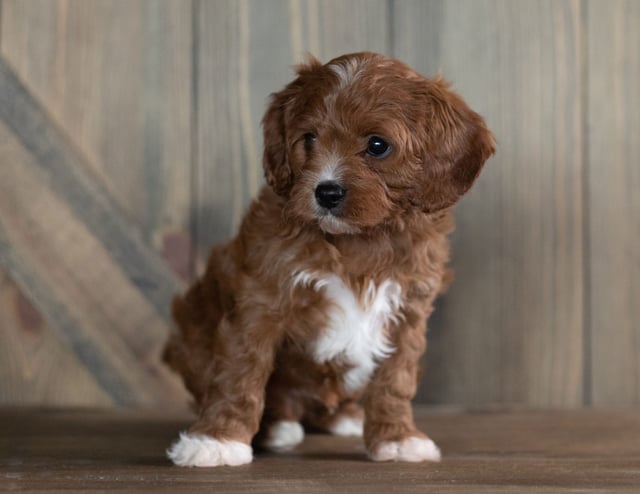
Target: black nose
(329, 194)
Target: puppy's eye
(309, 139)
(378, 147)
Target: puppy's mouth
(333, 225)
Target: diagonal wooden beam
(69, 247)
(59, 318)
(88, 199)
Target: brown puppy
(322, 298)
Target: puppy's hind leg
(280, 429)
(345, 420)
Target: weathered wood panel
(510, 330)
(137, 123)
(93, 305)
(116, 76)
(65, 243)
(351, 26)
(66, 173)
(613, 190)
(37, 368)
(230, 96)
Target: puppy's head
(362, 139)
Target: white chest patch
(356, 330)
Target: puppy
(320, 302)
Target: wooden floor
(483, 452)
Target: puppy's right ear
(275, 161)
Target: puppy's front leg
(231, 408)
(389, 430)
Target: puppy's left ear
(456, 144)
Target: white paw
(198, 450)
(411, 449)
(284, 435)
(347, 426)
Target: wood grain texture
(483, 453)
(65, 171)
(126, 125)
(37, 368)
(510, 330)
(349, 26)
(614, 202)
(236, 69)
(102, 316)
(116, 76)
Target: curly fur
(286, 311)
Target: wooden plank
(530, 452)
(72, 334)
(99, 311)
(613, 128)
(341, 27)
(91, 203)
(116, 76)
(233, 64)
(35, 367)
(510, 330)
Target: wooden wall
(130, 141)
